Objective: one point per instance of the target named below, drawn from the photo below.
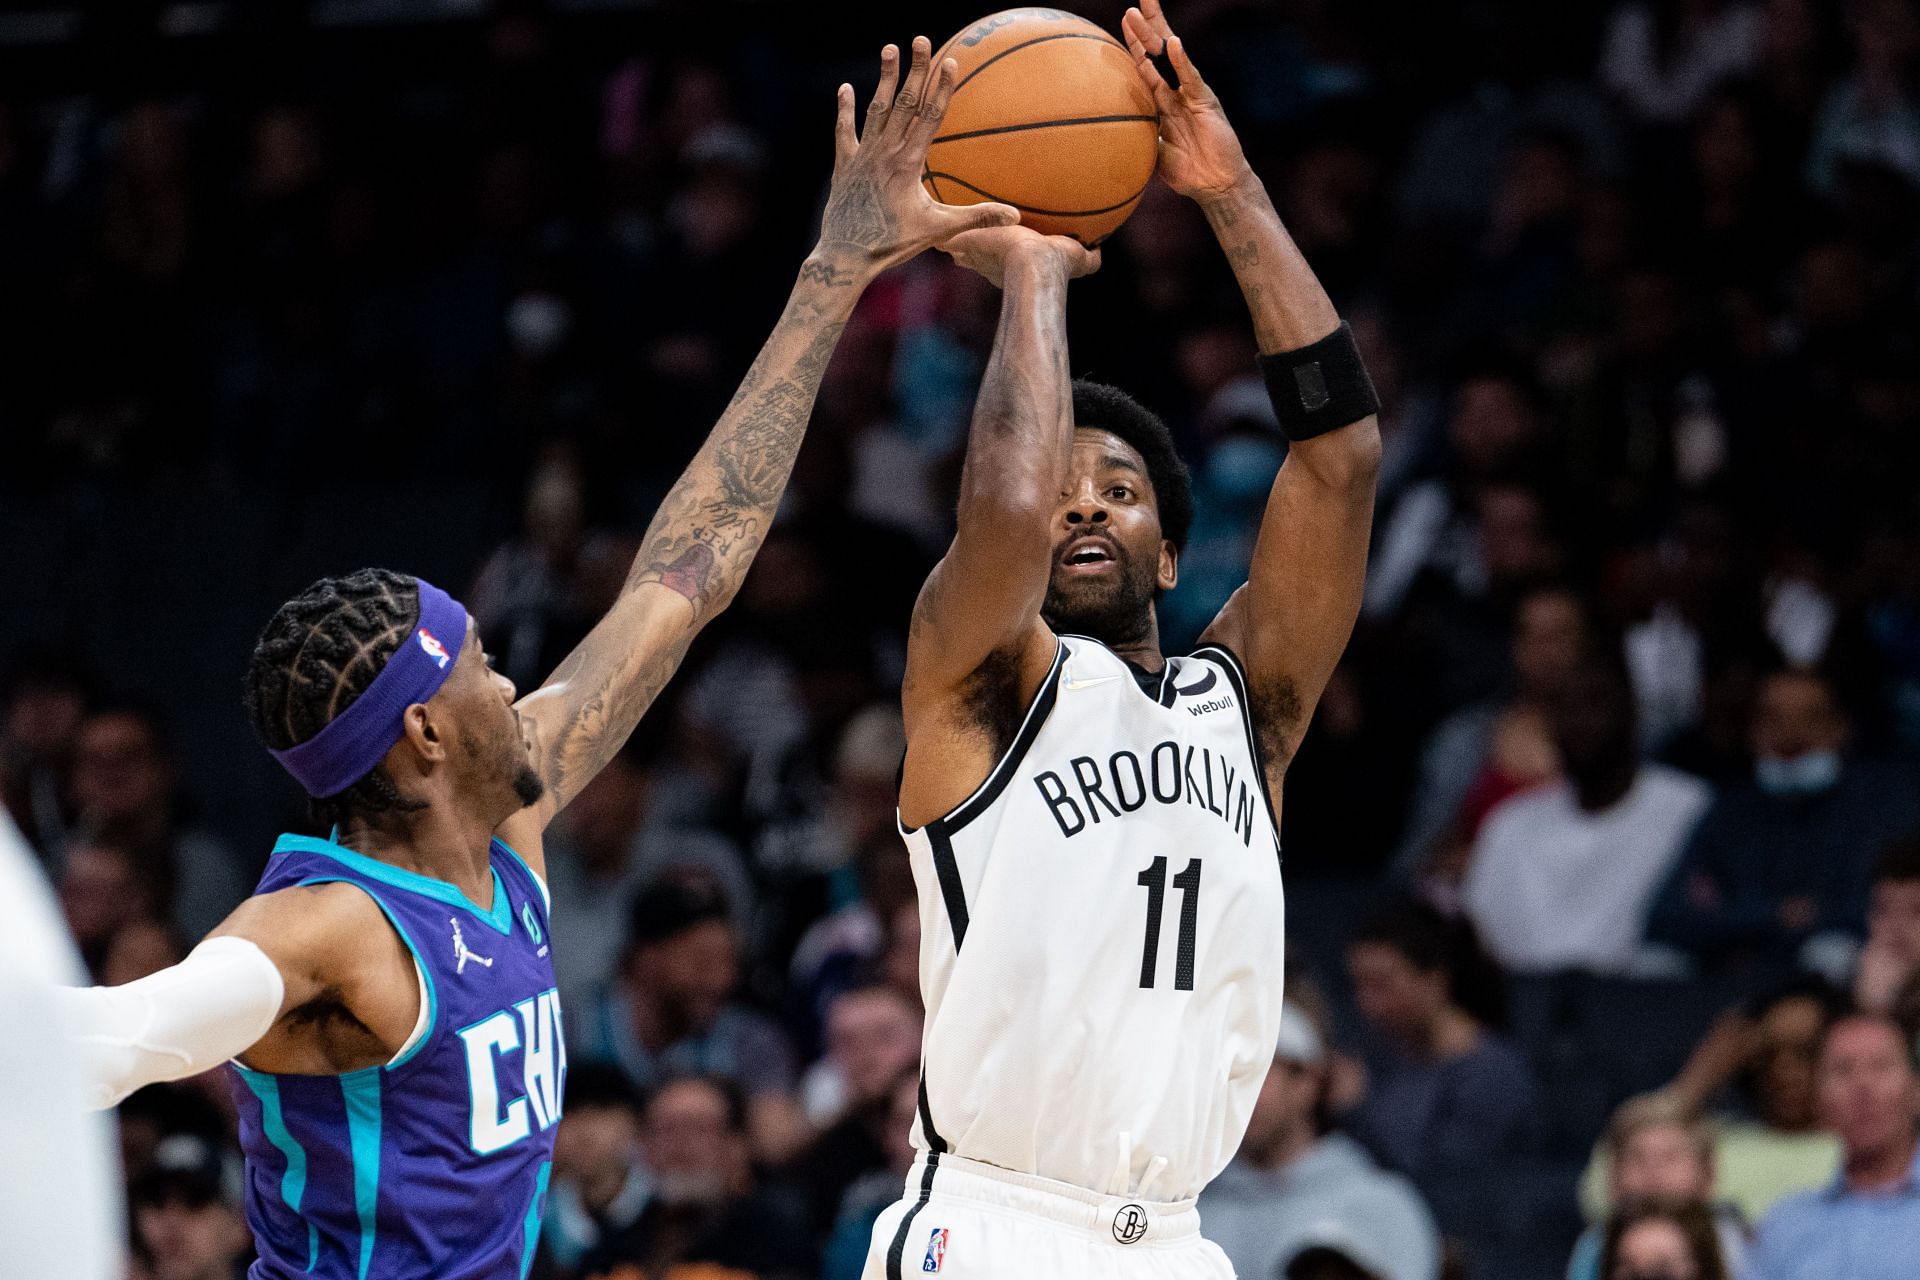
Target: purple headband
(349, 746)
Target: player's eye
(1120, 491)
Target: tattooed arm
(980, 606)
(1290, 622)
(698, 548)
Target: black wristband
(1319, 388)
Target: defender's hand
(878, 215)
(1200, 155)
(990, 252)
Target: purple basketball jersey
(436, 1164)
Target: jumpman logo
(461, 952)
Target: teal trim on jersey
(500, 919)
(361, 1089)
(539, 881)
(420, 962)
(530, 1228)
(293, 1183)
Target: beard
(528, 786)
(1113, 610)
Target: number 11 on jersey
(1154, 881)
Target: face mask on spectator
(1242, 468)
(1806, 774)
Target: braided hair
(320, 652)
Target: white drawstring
(1123, 1166)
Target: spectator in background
(873, 1036)
(1864, 1225)
(1887, 977)
(1659, 1153)
(1443, 1093)
(600, 1185)
(845, 1256)
(870, 879)
(1292, 1176)
(105, 894)
(609, 845)
(1787, 858)
(1661, 58)
(124, 775)
(537, 594)
(1484, 753)
(1773, 1144)
(187, 1223)
(1495, 431)
(706, 1209)
(1664, 1242)
(1561, 876)
(671, 1009)
(43, 702)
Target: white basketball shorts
(963, 1220)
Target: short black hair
(320, 652)
(1105, 408)
(1424, 937)
(601, 1084)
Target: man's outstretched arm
(1291, 621)
(702, 540)
(983, 600)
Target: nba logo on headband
(435, 650)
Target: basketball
(1048, 115)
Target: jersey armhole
(1237, 676)
(539, 881)
(1002, 772)
(429, 1016)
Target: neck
(1605, 787)
(1881, 1168)
(1292, 1142)
(1142, 650)
(602, 1187)
(444, 841)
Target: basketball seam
(1039, 124)
(1101, 37)
(1027, 208)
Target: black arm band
(1319, 388)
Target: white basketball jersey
(1102, 934)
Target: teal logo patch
(527, 919)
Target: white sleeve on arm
(179, 1022)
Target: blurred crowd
(1603, 852)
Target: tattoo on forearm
(827, 274)
(689, 574)
(1242, 256)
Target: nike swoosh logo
(1086, 684)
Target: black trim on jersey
(947, 870)
(899, 1246)
(977, 803)
(1237, 676)
(935, 1143)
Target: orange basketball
(1048, 115)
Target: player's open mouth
(1089, 555)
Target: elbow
(1347, 460)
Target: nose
(1084, 506)
(507, 691)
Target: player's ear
(428, 738)
(1168, 576)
